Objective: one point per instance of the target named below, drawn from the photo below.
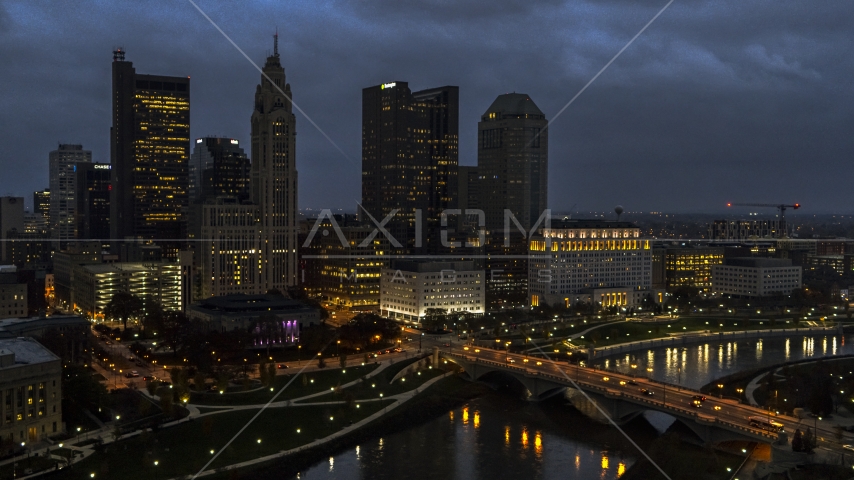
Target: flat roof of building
(590, 223)
(241, 303)
(12, 327)
(754, 262)
(27, 351)
(433, 266)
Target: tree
(271, 374)
(434, 318)
(798, 441)
(152, 316)
(321, 362)
(809, 441)
(166, 404)
(123, 306)
(199, 381)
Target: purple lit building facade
(273, 320)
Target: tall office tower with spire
(274, 175)
(63, 185)
(150, 151)
(409, 159)
(250, 246)
(512, 162)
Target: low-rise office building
(841, 264)
(691, 266)
(95, 285)
(756, 277)
(409, 288)
(30, 391)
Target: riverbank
(693, 339)
(437, 400)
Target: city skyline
(757, 104)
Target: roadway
(668, 396)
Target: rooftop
(514, 103)
(15, 326)
(27, 351)
(592, 223)
(239, 303)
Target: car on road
(134, 373)
(632, 382)
(149, 378)
(696, 403)
(281, 366)
(510, 360)
(107, 342)
(699, 398)
(647, 392)
(848, 447)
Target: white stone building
(756, 277)
(409, 288)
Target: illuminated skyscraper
(274, 176)
(41, 203)
(150, 151)
(63, 186)
(409, 159)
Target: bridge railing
(617, 393)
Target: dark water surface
(497, 436)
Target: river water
(497, 436)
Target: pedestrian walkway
(399, 400)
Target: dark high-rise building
(11, 223)
(410, 158)
(150, 151)
(512, 161)
(93, 201)
(63, 204)
(218, 168)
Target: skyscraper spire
(276, 43)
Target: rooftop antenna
(118, 55)
(276, 43)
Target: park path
(399, 400)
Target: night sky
(717, 101)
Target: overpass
(620, 397)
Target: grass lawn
(633, 331)
(316, 381)
(184, 449)
(372, 389)
(35, 464)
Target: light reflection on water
(696, 365)
(483, 440)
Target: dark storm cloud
(715, 102)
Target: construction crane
(781, 207)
